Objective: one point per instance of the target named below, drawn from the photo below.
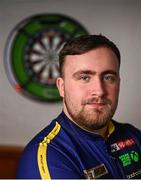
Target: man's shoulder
(127, 127)
(45, 142)
(56, 131)
(43, 135)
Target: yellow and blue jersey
(65, 151)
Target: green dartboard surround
(31, 54)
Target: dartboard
(31, 54)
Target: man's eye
(109, 78)
(85, 78)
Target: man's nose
(98, 88)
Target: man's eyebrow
(110, 72)
(84, 72)
(90, 72)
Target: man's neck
(104, 132)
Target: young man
(84, 141)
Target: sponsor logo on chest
(122, 144)
(96, 172)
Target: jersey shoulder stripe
(42, 150)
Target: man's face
(90, 87)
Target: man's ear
(60, 86)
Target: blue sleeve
(62, 165)
(28, 166)
(59, 164)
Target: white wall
(120, 20)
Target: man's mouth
(97, 105)
(97, 101)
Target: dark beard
(91, 123)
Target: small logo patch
(129, 158)
(96, 172)
(122, 144)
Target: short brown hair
(83, 44)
